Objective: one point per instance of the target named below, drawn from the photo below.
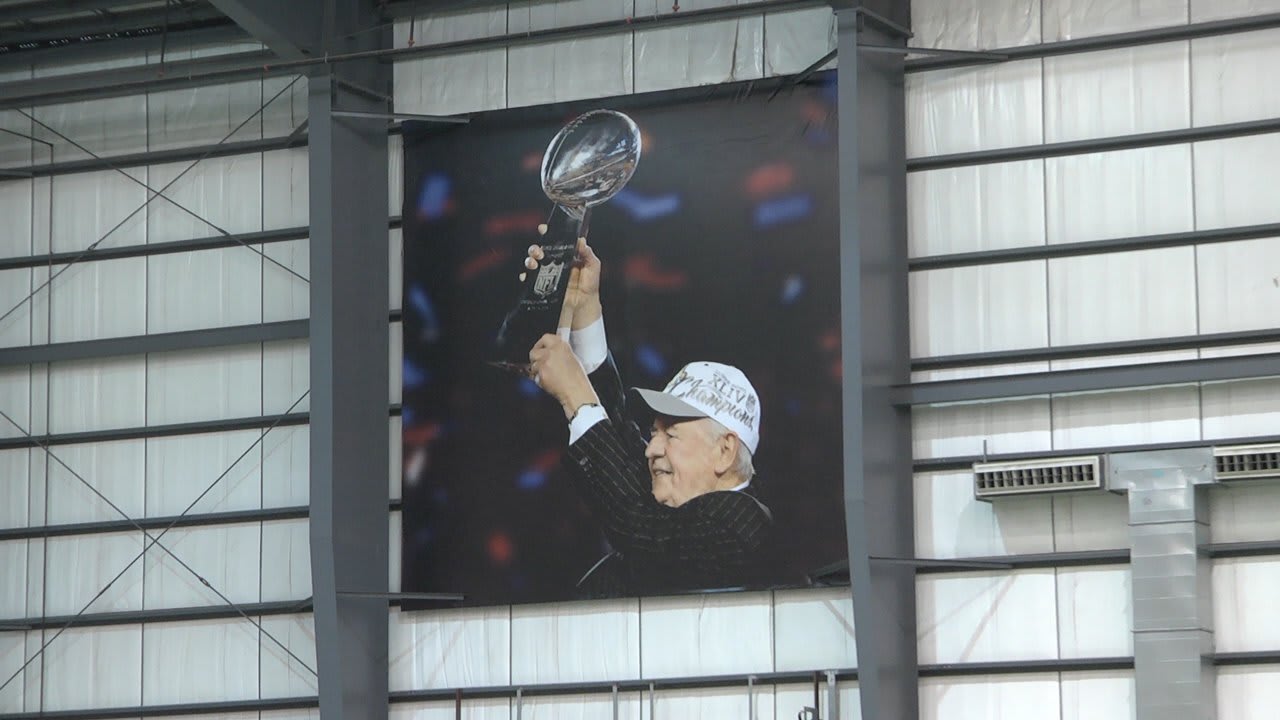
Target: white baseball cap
(711, 390)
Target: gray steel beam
(1080, 147)
(175, 41)
(1174, 33)
(30, 10)
(214, 242)
(1117, 377)
(133, 19)
(154, 343)
(876, 357)
(349, 373)
(155, 431)
(1125, 347)
(161, 615)
(1095, 247)
(156, 157)
(291, 29)
(1171, 588)
(230, 517)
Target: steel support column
(1172, 595)
(876, 358)
(349, 373)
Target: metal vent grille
(1037, 476)
(1247, 462)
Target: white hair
(742, 463)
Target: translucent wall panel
(1066, 19)
(700, 54)
(14, 490)
(214, 660)
(428, 85)
(14, 560)
(1205, 10)
(395, 174)
(1117, 92)
(796, 40)
(978, 309)
(97, 394)
(718, 703)
(111, 126)
(397, 459)
(292, 673)
(1248, 692)
(1090, 521)
(1244, 618)
(396, 360)
(78, 566)
(572, 642)
(286, 273)
(973, 429)
(1129, 417)
(1098, 696)
(1032, 696)
(210, 288)
(15, 286)
(227, 556)
(288, 110)
(717, 621)
(1095, 612)
(114, 472)
(181, 468)
(286, 560)
(974, 108)
(450, 648)
(204, 115)
(395, 533)
(1239, 285)
(1234, 181)
(1119, 194)
(286, 374)
(12, 655)
(286, 185)
(16, 402)
(1122, 296)
(205, 198)
(93, 300)
(975, 617)
(974, 24)
(102, 209)
(569, 70)
(286, 466)
(97, 667)
(1244, 512)
(631, 706)
(978, 207)
(395, 260)
(191, 386)
(950, 522)
(16, 207)
(1227, 71)
(813, 629)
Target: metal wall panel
(575, 642)
(979, 207)
(1067, 19)
(985, 616)
(974, 108)
(717, 621)
(1117, 92)
(975, 24)
(951, 523)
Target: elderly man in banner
(676, 507)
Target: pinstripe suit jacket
(708, 542)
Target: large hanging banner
(693, 339)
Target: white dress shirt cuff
(590, 345)
(585, 419)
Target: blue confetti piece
(643, 208)
(413, 376)
(531, 479)
(792, 289)
(783, 210)
(651, 360)
(528, 387)
(433, 199)
(421, 304)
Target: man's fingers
(542, 229)
(535, 251)
(523, 276)
(530, 263)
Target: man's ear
(727, 448)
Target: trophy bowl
(590, 160)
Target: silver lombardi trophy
(587, 162)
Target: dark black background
(723, 247)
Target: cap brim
(664, 404)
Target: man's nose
(654, 448)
